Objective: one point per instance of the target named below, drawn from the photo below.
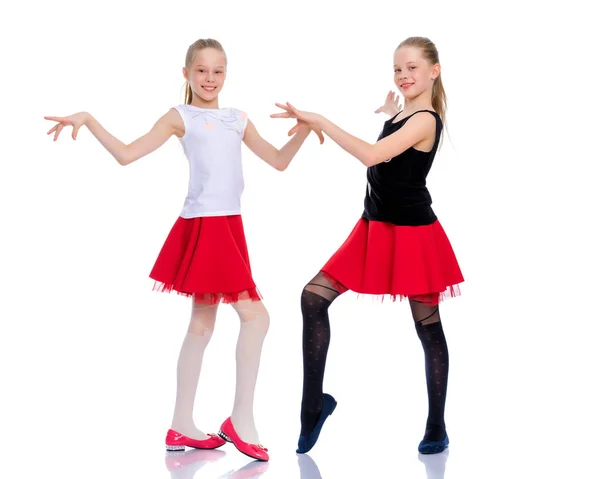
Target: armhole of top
(179, 109)
(243, 116)
(438, 129)
(439, 124)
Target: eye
(413, 67)
(201, 70)
(396, 70)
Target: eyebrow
(208, 67)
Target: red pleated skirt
(414, 262)
(206, 258)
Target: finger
(52, 129)
(294, 130)
(280, 115)
(282, 106)
(74, 134)
(53, 118)
(58, 130)
(321, 137)
(291, 107)
(378, 110)
(295, 113)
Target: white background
(88, 351)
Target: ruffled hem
(210, 298)
(431, 298)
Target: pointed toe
(306, 443)
(434, 447)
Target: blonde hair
(191, 54)
(430, 52)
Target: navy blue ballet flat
(306, 443)
(433, 447)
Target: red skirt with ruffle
(414, 262)
(206, 258)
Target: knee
(201, 327)
(263, 322)
(258, 319)
(202, 321)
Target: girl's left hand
(312, 120)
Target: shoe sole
(180, 448)
(175, 448)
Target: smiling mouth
(406, 85)
(210, 88)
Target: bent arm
(416, 129)
(278, 159)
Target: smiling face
(206, 74)
(413, 74)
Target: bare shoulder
(173, 119)
(250, 132)
(423, 119)
(424, 126)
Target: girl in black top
(397, 248)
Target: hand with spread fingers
(312, 120)
(76, 121)
(391, 106)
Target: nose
(210, 77)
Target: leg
(254, 324)
(316, 297)
(200, 330)
(430, 332)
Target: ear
(435, 71)
(185, 73)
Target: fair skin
(414, 77)
(391, 105)
(206, 76)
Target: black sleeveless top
(396, 189)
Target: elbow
(277, 162)
(123, 158)
(370, 160)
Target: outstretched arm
(278, 159)
(169, 124)
(419, 127)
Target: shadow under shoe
(252, 470)
(435, 464)
(186, 464)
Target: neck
(421, 102)
(202, 103)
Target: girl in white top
(205, 255)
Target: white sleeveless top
(213, 146)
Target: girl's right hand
(391, 105)
(76, 121)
